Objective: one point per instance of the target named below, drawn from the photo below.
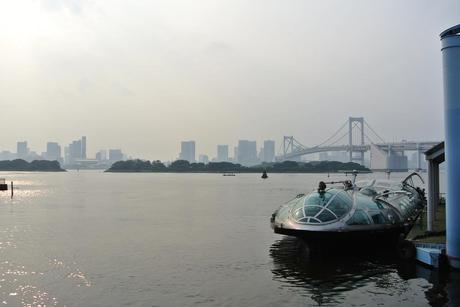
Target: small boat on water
(228, 174)
(264, 175)
(379, 212)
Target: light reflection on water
(21, 284)
(97, 239)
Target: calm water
(98, 239)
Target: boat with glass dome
(376, 211)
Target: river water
(106, 239)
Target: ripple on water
(20, 284)
(352, 279)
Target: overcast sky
(144, 75)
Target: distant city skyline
(247, 153)
(145, 75)
(74, 153)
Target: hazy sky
(144, 75)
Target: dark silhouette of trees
(34, 166)
(218, 167)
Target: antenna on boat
(354, 173)
(388, 174)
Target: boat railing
(386, 193)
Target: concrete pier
(451, 70)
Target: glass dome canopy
(322, 207)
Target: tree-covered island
(19, 165)
(182, 166)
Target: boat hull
(370, 239)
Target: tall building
(53, 152)
(269, 151)
(75, 151)
(187, 151)
(22, 150)
(222, 153)
(247, 152)
(115, 155)
(83, 147)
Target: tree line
(216, 167)
(36, 165)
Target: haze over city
(230, 153)
(145, 75)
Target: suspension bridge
(352, 137)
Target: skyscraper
(187, 151)
(53, 151)
(76, 151)
(22, 149)
(247, 152)
(222, 153)
(269, 151)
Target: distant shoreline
(20, 165)
(248, 172)
(286, 167)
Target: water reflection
(329, 279)
(446, 285)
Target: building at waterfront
(75, 151)
(53, 152)
(247, 152)
(187, 151)
(22, 151)
(222, 153)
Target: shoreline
(234, 172)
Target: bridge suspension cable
(368, 137)
(346, 134)
(375, 133)
(331, 137)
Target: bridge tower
(288, 145)
(360, 121)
